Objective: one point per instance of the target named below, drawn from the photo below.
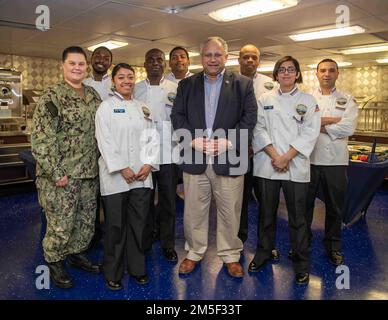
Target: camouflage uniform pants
(70, 214)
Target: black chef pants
(333, 180)
(247, 195)
(125, 220)
(162, 217)
(268, 197)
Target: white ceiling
(146, 24)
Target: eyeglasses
(289, 70)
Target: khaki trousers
(227, 192)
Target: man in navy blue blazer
(213, 116)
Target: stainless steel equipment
(12, 115)
(373, 115)
(13, 120)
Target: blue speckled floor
(365, 250)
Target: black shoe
(141, 279)
(81, 261)
(254, 267)
(59, 275)
(170, 254)
(275, 255)
(291, 255)
(114, 285)
(302, 278)
(336, 258)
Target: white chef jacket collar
(117, 95)
(104, 77)
(331, 91)
(291, 93)
(160, 82)
(188, 73)
(254, 77)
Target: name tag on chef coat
(340, 104)
(341, 101)
(340, 108)
(268, 107)
(170, 99)
(119, 110)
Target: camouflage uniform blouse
(63, 139)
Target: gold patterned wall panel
(140, 73)
(359, 82)
(39, 73)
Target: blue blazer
(237, 109)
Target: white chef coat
(124, 142)
(279, 124)
(161, 100)
(263, 84)
(331, 149)
(172, 78)
(103, 87)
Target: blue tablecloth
(364, 180)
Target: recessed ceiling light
(327, 33)
(340, 64)
(111, 44)
(375, 48)
(250, 8)
(385, 60)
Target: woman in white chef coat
(129, 150)
(285, 134)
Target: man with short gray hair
(207, 103)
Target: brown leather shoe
(235, 269)
(187, 266)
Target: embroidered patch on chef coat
(119, 110)
(301, 109)
(268, 107)
(268, 85)
(171, 97)
(146, 113)
(341, 101)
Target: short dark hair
(121, 65)
(281, 61)
(154, 50)
(105, 48)
(73, 49)
(327, 60)
(179, 48)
